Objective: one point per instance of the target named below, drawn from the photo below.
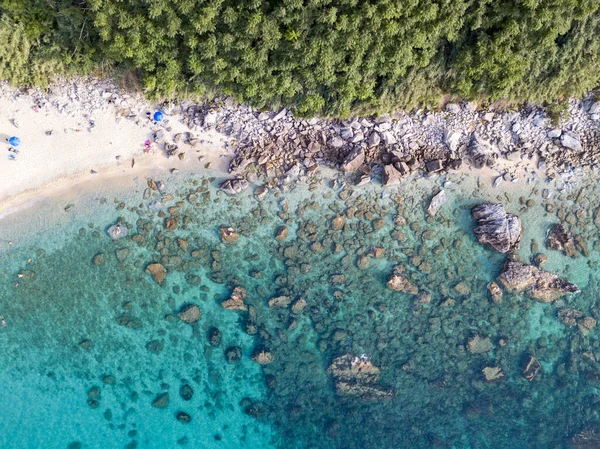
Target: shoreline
(273, 148)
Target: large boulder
(357, 377)
(501, 230)
(534, 283)
(354, 160)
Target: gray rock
(234, 186)
(388, 138)
(453, 108)
(496, 227)
(571, 141)
(553, 133)
(594, 108)
(354, 160)
(336, 142)
(436, 202)
(452, 140)
(391, 176)
(374, 139)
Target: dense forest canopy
(327, 57)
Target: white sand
(64, 160)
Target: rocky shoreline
(519, 145)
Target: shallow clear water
(87, 348)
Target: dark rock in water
(234, 186)
(233, 354)
(98, 259)
(357, 377)
(109, 380)
(215, 336)
(186, 392)
(158, 273)
(94, 392)
(190, 314)
(531, 368)
(155, 346)
(74, 445)
(183, 417)
(161, 401)
(560, 239)
(534, 283)
(354, 160)
(271, 381)
(93, 403)
(256, 409)
(496, 227)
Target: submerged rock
(158, 272)
(560, 239)
(161, 401)
(479, 345)
(587, 438)
(186, 392)
(531, 368)
(233, 354)
(493, 374)
(495, 292)
(190, 314)
(263, 357)
(501, 230)
(356, 377)
(280, 302)
(399, 282)
(236, 300)
(436, 202)
(229, 235)
(534, 283)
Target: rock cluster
(357, 377)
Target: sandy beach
(88, 144)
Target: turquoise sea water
(87, 348)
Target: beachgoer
(2, 320)
(14, 141)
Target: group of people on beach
(14, 142)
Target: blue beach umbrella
(14, 141)
(158, 116)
